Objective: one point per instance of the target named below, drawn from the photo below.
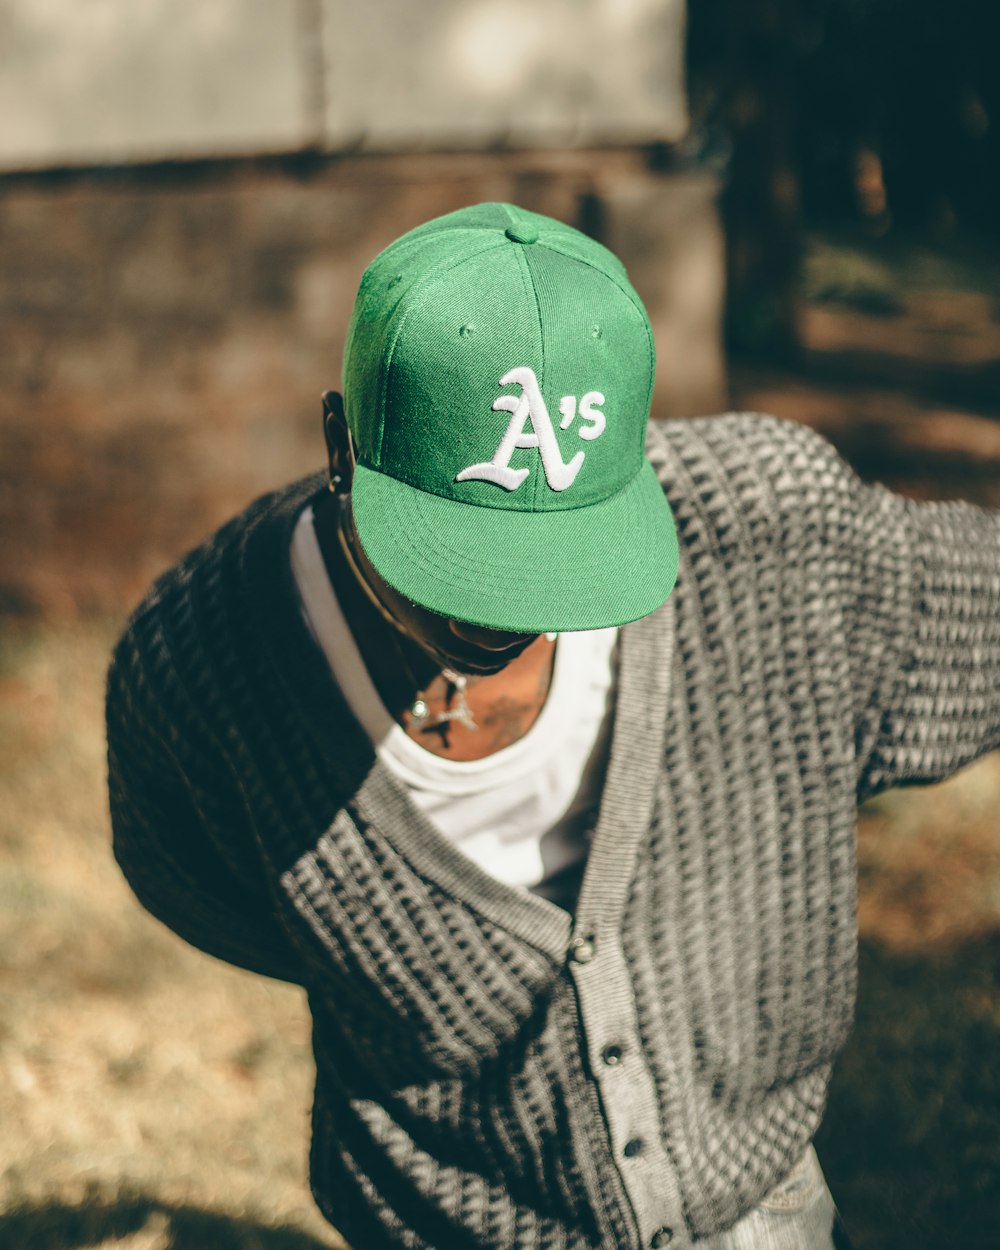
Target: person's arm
(897, 602)
(922, 600)
(162, 845)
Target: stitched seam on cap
(429, 278)
(633, 298)
(525, 266)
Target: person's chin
(466, 668)
(481, 663)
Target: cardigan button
(583, 950)
(633, 1147)
(662, 1237)
(612, 1054)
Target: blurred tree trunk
(752, 47)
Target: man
(530, 744)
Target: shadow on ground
(141, 1223)
(909, 1144)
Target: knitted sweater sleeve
(163, 841)
(894, 602)
(938, 707)
(920, 588)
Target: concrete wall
(516, 72)
(89, 81)
(108, 80)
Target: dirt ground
(154, 1099)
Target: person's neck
(502, 707)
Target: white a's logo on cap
(531, 406)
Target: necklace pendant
(460, 712)
(418, 712)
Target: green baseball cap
(497, 380)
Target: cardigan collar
(378, 799)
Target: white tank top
(525, 813)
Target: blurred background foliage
(880, 117)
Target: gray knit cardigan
(492, 1071)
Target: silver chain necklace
(419, 711)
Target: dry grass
(929, 863)
(141, 1080)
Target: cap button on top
(522, 234)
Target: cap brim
(527, 572)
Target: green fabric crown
(498, 364)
